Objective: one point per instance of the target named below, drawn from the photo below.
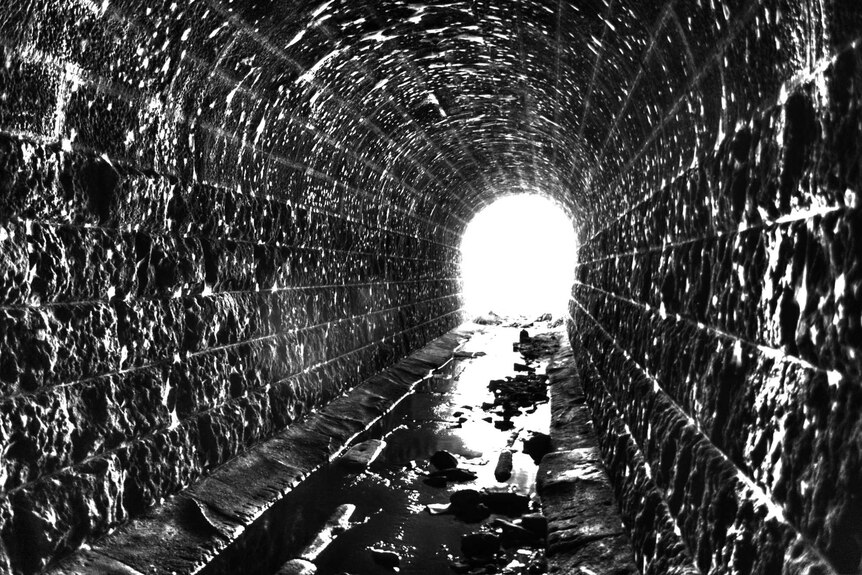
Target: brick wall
(216, 215)
(184, 270)
(717, 311)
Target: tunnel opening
(517, 257)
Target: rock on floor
(363, 454)
(443, 460)
(385, 558)
(297, 567)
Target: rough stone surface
(363, 454)
(443, 460)
(386, 558)
(297, 567)
(186, 532)
(218, 216)
(503, 469)
(695, 484)
(585, 532)
(535, 522)
(715, 314)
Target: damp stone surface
(217, 216)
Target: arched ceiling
(431, 108)
(190, 189)
(461, 101)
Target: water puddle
(444, 413)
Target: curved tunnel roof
(216, 216)
(432, 108)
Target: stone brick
(215, 220)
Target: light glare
(517, 258)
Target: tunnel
(218, 217)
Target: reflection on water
(444, 413)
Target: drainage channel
(398, 513)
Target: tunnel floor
(399, 507)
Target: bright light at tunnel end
(518, 257)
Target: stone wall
(717, 315)
(182, 271)
(216, 215)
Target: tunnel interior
(216, 216)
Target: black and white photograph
(430, 287)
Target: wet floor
(390, 497)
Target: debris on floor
(445, 482)
(489, 318)
(385, 558)
(363, 454)
(338, 523)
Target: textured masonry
(216, 216)
(717, 312)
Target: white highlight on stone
(297, 38)
(321, 9)
(97, 9)
(737, 352)
(432, 99)
(175, 421)
(309, 75)
(840, 286)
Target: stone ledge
(584, 526)
(585, 531)
(184, 533)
